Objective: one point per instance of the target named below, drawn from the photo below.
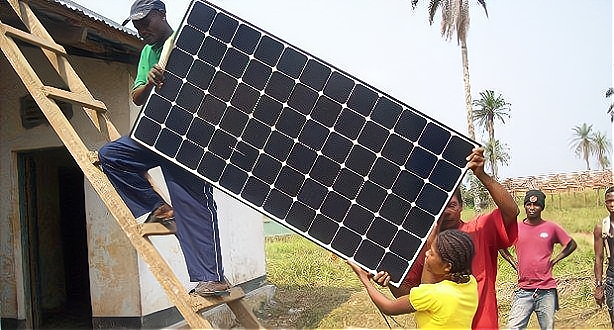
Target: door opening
(55, 240)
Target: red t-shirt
(534, 249)
(489, 235)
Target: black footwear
(211, 288)
(163, 215)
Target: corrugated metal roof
(89, 13)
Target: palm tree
(582, 142)
(489, 108)
(609, 93)
(455, 20)
(602, 148)
(496, 153)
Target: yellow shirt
(445, 305)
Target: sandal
(163, 215)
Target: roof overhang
(81, 31)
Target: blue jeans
(543, 302)
(608, 292)
(125, 163)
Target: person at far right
(603, 243)
(536, 290)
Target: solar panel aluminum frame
(363, 186)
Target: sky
(551, 59)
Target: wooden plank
(109, 196)
(84, 100)
(27, 37)
(112, 132)
(187, 304)
(61, 64)
(166, 52)
(149, 229)
(199, 302)
(15, 5)
(235, 302)
(244, 314)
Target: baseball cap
(140, 9)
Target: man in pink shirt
(536, 286)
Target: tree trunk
(490, 127)
(470, 129)
(612, 122)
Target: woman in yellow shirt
(448, 295)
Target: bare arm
(567, 250)
(505, 253)
(502, 198)
(598, 267)
(400, 305)
(155, 78)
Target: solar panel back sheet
(310, 146)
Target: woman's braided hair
(456, 247)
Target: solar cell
(321, 152)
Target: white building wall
(120, 283)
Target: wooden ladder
(189, 305)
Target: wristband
(598, 284)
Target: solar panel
(312, 147)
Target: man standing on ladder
(126, 163)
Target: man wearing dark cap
(126, 163)
(536, 286)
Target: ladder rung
(79, 94)
(64, 95)
(199, 303)
(155, 228)
(32, 39)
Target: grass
(316, 289)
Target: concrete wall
(120, 283)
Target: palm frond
(490, 107)
(433, 6)
(483, 4)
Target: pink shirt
(489, 234)
(534, 250)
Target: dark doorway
(55, 240)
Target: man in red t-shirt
(489, 232)
(536, 286)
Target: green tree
(582, 142)
(495, 153)
(455, 21)
(490, 108)
(601, 149)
